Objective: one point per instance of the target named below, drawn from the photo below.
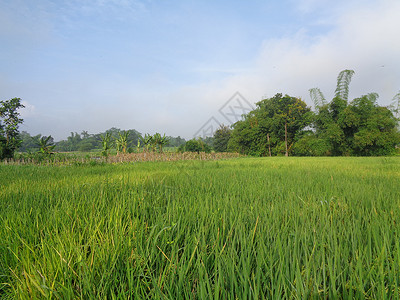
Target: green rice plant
(244, 228)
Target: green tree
(175, 141)
(73, 141)
(310, 145)
(194, 145)
(85, 146)
(29, 143)
(370, 130)
(221, 138)
(360, 127)
(272, 128)
(9, 122)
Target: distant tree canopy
(86, 142)
(125, 141)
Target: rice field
(93, 158)
(243, 228)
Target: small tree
(221, 138)
(196, 146)
(9, 122)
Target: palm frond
(317, 97)
(343, 82)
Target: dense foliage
(9, 121)
(283, 124)
(195, 145)
(221, 138)
(272, 127)
(358, 128)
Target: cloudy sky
(169, 66)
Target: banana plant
(46, 145)
(138, 146)
(146, 140)
(106, 144)
(122, 142)
(162, 142)
(155, 141)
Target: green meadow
(244, 228)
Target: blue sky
(168, 66)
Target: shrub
(195, 146)
(310, 145)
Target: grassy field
(235, 229)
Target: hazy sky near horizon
(168, 66)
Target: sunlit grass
(234, 229)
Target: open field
(234, 229)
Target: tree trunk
(269, 145)
(286, 146)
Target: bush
(85, 147)
(195, 146)
(310, 145)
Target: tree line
(124, 141)
(285, 125)
(281, 125)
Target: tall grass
(263, 228)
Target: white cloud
(365, 40)
(28, 111)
